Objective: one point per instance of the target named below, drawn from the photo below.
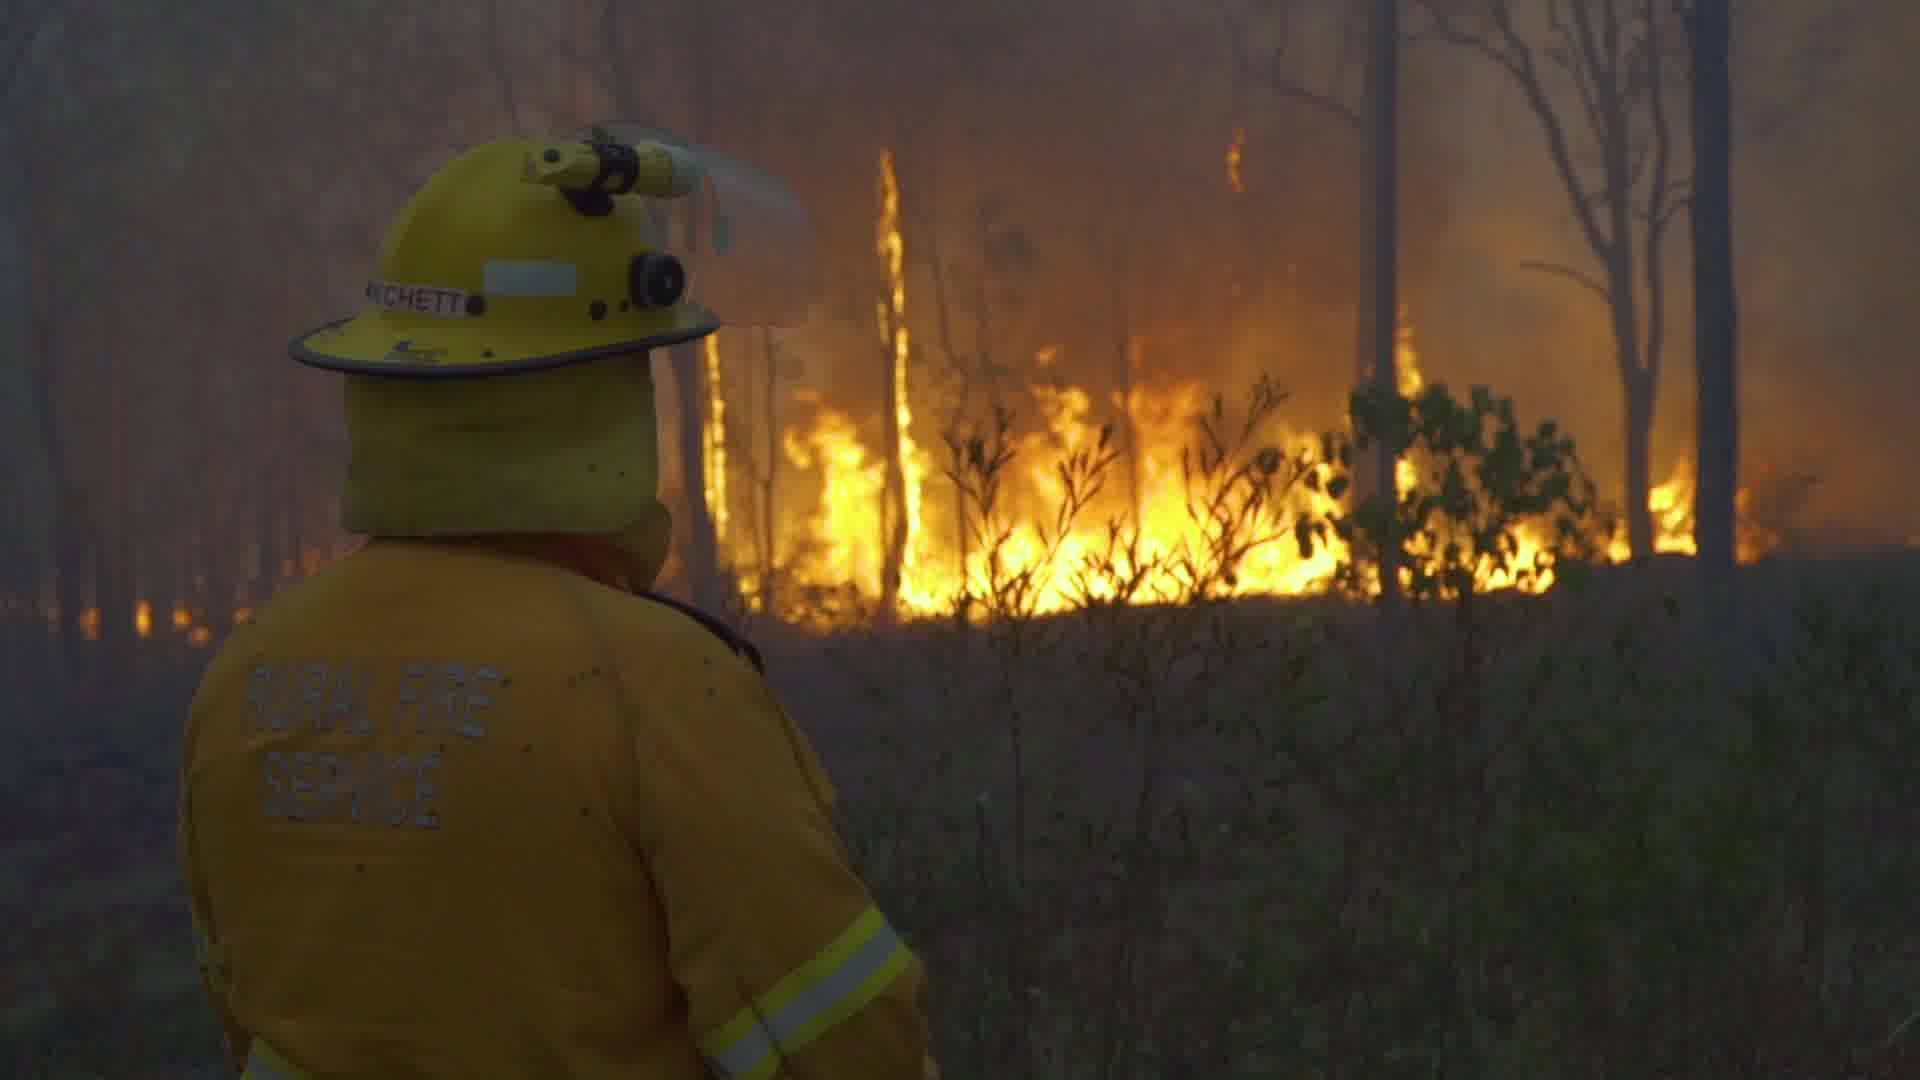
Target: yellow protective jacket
(463, 810)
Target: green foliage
(1492, 505)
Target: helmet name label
(529, 277)
(418, 299)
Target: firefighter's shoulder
(675, 632)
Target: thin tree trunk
(1639, 390)
(1716, 317)
(48, 345)
(1118, 278)
(1384, 103)
(1639, 386)
(117, 538)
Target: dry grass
(1560, 838)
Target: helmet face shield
(742, 235)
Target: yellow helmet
(522, 255)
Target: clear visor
(743, 236)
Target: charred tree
(895, 353)
(116, 539)
(1121, 316)
(1382, 304)
(1716, 358)
(1614, 55)
(769, 473)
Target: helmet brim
(371, 344)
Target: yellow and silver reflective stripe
(266, 1063)
(809, 1001)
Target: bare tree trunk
(1716, 314)
(211, 574)
(1639, 391)
(1385, 101)
(1119, 278)
(116, 537)
(1615, 56)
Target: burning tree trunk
(899, 510)
(1614, 56)
(769, 472)
(1716, 314)
(714, 440)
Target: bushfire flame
(844, 531)
(840, 541)
(1236, 154)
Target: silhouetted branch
(1573, 274)
(1293, 91)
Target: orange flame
(1236, 154)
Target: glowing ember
(143, 619)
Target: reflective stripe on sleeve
(839, 980)
(266, 1063)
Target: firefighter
(471, 802)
